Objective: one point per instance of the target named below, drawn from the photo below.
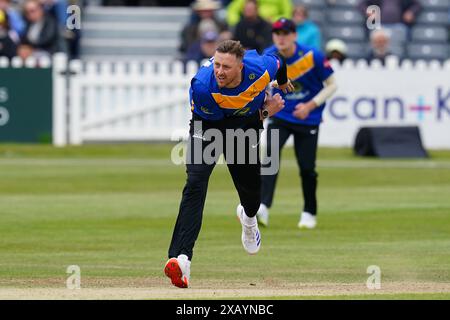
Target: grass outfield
(111, 209)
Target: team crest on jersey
(205, 110)
(297, 86)
(242, 112)
(252, 76)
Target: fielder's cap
(284, 24)
(210, 36)
(200, 5)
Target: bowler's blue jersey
(307, 69)
(213, 103)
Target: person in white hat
(204, 14)
(336, 49)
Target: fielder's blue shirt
(307, 69)
(213, 103)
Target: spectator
(203, 49)
(308, 33)
(336, 49)
(7, 46)
(16, 21)
(204, 11)
(268, 9)
(379, 42)
(41, 31)
(25, 51)
(252, 31)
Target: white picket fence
(148, 101)
(107, 101)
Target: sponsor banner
(25, 104)
(401, 96)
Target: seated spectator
(16, 21)
(204, 14)
(268, 9)
(308, 33)
(252, 31)
(41, 31)
(336, 49)
(8, 47)
(203, 49)
(379, 42)
(24, 51)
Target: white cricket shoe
(307, 220)
(178, 270)
(251, 238)
(263, 215)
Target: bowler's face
(227, 68)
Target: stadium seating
(433, 18)
(429, 34)
(345, 16)
(357, 50)
(435, 4)
(398, 36)
(344, 3)
(318, 16)
(143, 32)
(312, 4)
(428, 51)
(348, 33)
(155, 32)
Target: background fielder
(312, 77)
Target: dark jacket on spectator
(254, 34)
(7, 46)
(48, 39)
